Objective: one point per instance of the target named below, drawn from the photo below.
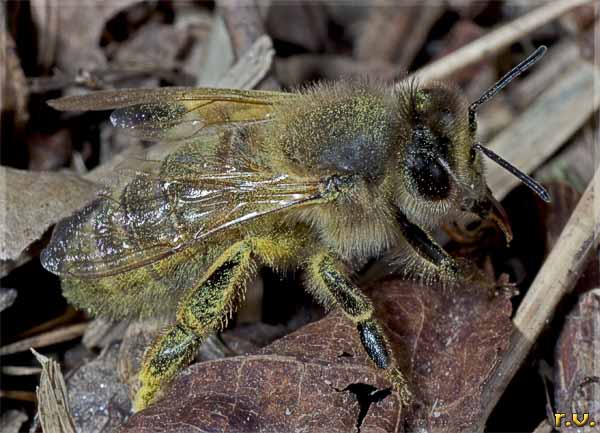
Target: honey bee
(316, 181)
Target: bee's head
(440, 167)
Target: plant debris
(53, 399)
(319, 377)
(282, 364)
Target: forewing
(159, 214)
(136, 249)
(176, 113)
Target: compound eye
(430, 179)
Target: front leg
(429, 260)
(425, 247)
(331, 287)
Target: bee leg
(427, 248)
(432, 254)
(201, 311)
(331, 287)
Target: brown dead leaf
(318, 379)
(155, 44)
(415, 19)
(33, 201)
(49, 151)
(69, 33)
(577, 373)
(556, 214)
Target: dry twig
(558, 275)
(52, 337)
(497, 40)
(245, 26)
(17, 395)
(53, 400)
(20, 370)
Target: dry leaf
(154, 45)
(52, 397)
(577, 373)
(11, 421)
(300, 23)
(252, 67)
(415, 19)
(138, 336)
(69, 33)
(217, 56)
(557, 213)
(545, 126)
(33, 201)
(295, 70)
(318, 379)
(102, 332)
(49, 151)
(573, 165)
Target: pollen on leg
(169, 353)
(202, 310)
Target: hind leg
(203, 310)
(206, 308)
(331, 286)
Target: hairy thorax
(346, 132)
(332, 129)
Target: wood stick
(558, 275)
(14, 394)
(20, 370)
(497, 40)
(245, 26)
(52, 337)
(52, 396)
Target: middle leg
(331, 286)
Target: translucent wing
(176, 113)
(166, 208)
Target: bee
(316, 180)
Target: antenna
(502, 83)
(527, 180)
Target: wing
(144, 240)
(166, 208)
(176, 113)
